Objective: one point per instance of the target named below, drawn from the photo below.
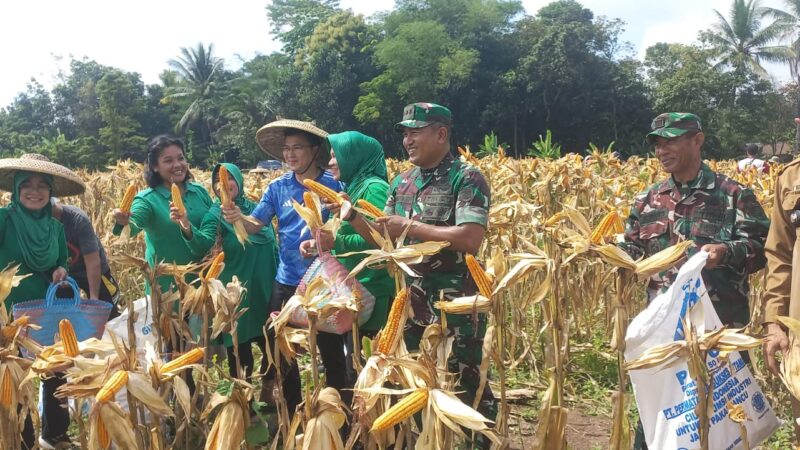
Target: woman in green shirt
(32, 238)
(358, 161)
(166, 164)
(254, 264)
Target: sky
(40, 36)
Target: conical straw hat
(65, 181)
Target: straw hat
(270, 138)
(65, 181)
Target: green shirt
(35, 286)
(163, 238)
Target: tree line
(509, 77)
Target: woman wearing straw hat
(32, 238)
(166, 164)
(302, 147)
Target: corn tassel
(402, 410)
(112, 386)
(217, 264)
(369, 208)
(68, 338)
(10, 330)
(5, 389)
(392, 327)
(222, 187)
(127, 199)
(323, 191)
(609, 225)
(192, 356)
(480, 277)
(177, 200)
(102, 434)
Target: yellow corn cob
(102, 434)
(402, 410)
(112, 386)
(480, 277)
(311, 203)
(10, 330)
(222, 187)
(610, 224)
(68, 338)
(217, 264)
(127, 199)
(192, 356)
(370, 209)
(323, 191)
(177, 200)
(5, 389)
(392, 326)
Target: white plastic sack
(143, 326)
(666, 397)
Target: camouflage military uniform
(451, 194)
(711, 209)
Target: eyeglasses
(294, 148)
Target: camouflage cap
(419, 115)
(673, 124)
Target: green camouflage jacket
(451, 194)
(710, 209)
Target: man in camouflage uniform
(721, 216)
(442, 199)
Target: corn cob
(480, 277)
(10, 330)
(68, 338)
(392, 327)
(402, 410)
(112, 386)
(369, 208)
(5, 389)
(222, 187)
(662, 260)
(127, 199)
(610, 224)
(177, 200)
(102, 434)
(323, 191)
(311, 203)
(192, 356)
(217, 264)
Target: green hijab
(360, 159)
(246, 205)
(35, 229)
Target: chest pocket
(437, 207)
(712, 224)
(790, 201)
(654, 231)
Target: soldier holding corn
(720, 215)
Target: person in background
(31, 237)
(751, 159)
(303, 148)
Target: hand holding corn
(231, 214)
(776, 341)
(121, 217)
(176, 216)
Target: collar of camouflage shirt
(705, 180)
(442, 169)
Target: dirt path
(584, 432)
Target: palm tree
(199, 73)
(741, 41)
(791, 17)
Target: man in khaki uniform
(782, 290)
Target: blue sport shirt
(292, 229)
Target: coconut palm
(742, 43)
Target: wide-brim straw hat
(65, 181)
(270, 138)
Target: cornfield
(556, 293)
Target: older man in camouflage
(442, 199)
(721, 216)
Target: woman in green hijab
(254, 264)
(32, 238)
(358, 161)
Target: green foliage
(294, 20)
(545, 148)
(491, 145)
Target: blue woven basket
(88, 317)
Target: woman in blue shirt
(302, 146)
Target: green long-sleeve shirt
(377, 282)
(35, 286)
(255, 265)
(162, 237)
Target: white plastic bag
(666, 396)
(143, 326)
